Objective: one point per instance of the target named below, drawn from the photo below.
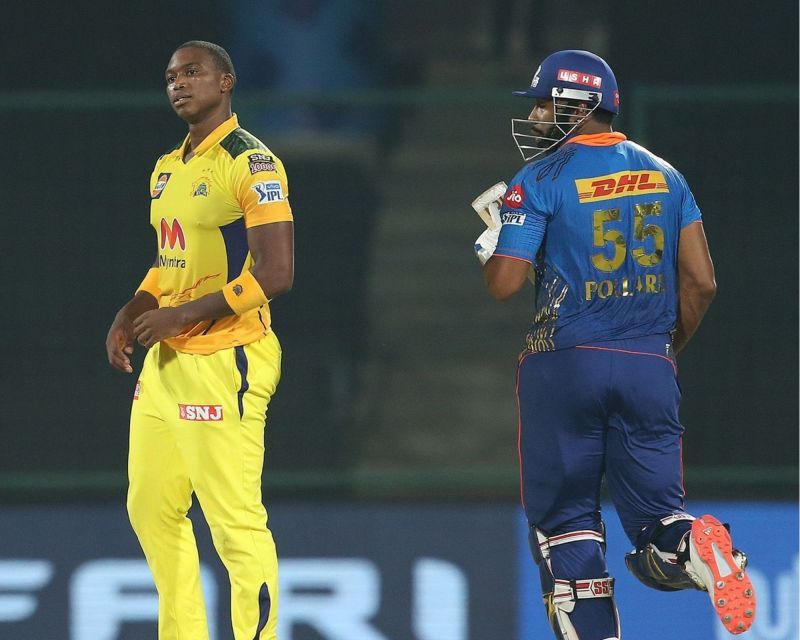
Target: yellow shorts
(197, 425)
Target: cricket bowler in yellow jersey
(220, 208)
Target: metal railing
(480, 482)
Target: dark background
(76, 241)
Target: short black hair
(220, 57)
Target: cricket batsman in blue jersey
(613, 240)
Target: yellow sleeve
(261, 188)
(150, 283)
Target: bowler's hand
(158, 324)
(119, 343)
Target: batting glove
(486, 244)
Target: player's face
(195, 86)
(543, 117)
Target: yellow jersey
(201, 210)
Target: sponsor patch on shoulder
(161, 182)
(513, 218)
(260, 162)
(515, 197)
(268, 191)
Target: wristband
(150, 284)
(244, 293)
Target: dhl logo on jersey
(620, 185)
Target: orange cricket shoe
(711, 558)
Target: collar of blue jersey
(212, 138)
(605, 139)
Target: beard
(546, 131)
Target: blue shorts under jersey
(607, 266)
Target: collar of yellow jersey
(212, 138)
(605, 139)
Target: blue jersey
(606, 267)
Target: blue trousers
(606, 409)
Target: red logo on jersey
(137, 390)
(515, 197)
(161, 182)
(200, 412)
(172, 234)
(577, 77)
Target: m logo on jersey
(268, 191)
(161, 183)
(200, 412)
(515, 197)
(620, 185)
(172, 234)
(587, 79)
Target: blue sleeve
(690, 212)
(524, 218)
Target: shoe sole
(729, 587)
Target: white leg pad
(566, 593)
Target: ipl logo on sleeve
(517, 219)
(268, 191)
